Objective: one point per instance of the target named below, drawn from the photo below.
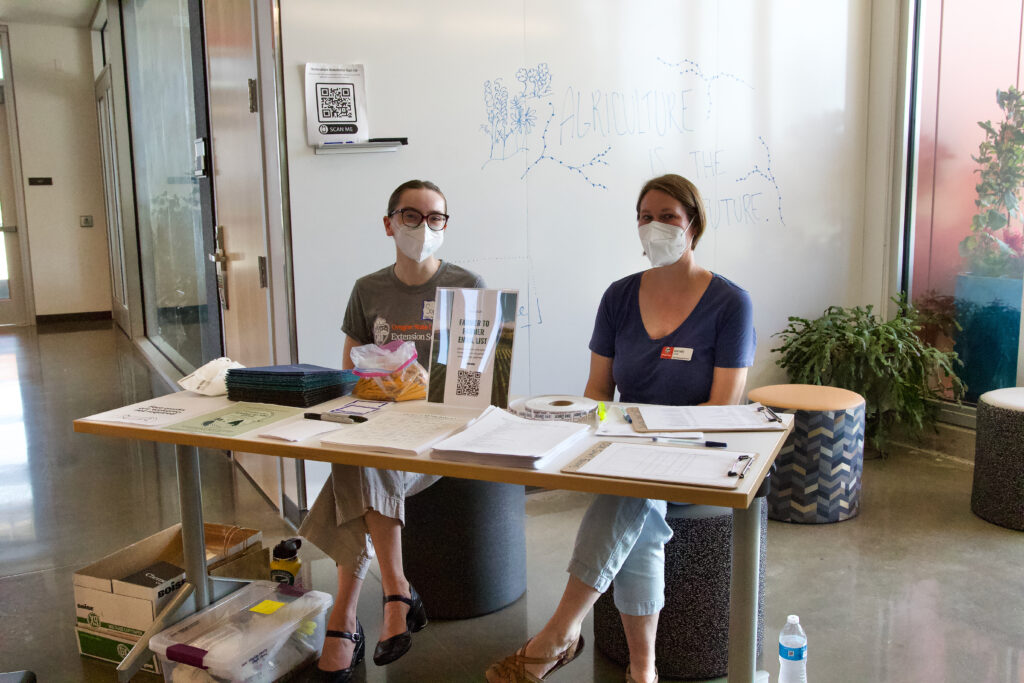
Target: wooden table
(201, 589)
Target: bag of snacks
(389, 373)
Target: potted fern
(885, 361)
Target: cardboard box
(153, 583)
(109, 604)
(110, 648)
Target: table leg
(746, 556)
(190, 497)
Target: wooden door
(239, 201)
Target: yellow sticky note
(267, 607)
(307, 628)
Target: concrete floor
(915, 589)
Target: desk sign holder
(371, 145)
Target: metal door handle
(9, 228)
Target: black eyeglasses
(411, 218)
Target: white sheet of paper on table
(709, 418)
(164, 410)
(397, 432)
(675, 465)
(615, 425)
(300, 430)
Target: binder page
(665, 464)
(396, 432)
(500, 432)
(709, 418)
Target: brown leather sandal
(512, 669)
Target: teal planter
(988, 310)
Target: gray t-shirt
(382, 308)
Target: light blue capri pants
(624, 539)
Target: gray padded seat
(997, 495)
(693, 629)
(464, 546)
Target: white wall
(53, 80)
(825, 123)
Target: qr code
(336, 101)
(468, 383)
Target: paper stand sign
(335, 104)
(471, 347)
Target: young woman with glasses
(361, 510)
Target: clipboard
(771, 422)
(665, 464)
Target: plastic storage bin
(258, 634)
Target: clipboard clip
(769, 414)
(740, 467)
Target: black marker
(335, 417)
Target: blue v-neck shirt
(720, 332)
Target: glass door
(967, 249)
(167, 108)
(12, 284)
(111, 193)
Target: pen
(625, 415)
(602, 411)
(690, 442)
(335, 417)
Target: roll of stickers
(554, 407)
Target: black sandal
(394, 647)
(318, 675)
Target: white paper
(614, 424)
(676, 465)
(396, 432)
(165, 410)
(335, 104)
(500, 432)
(501, 438)
(708, 418)
(210, 379)
(299, 430)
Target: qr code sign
(468, 383)
(336, 101)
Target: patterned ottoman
(998, 492)
(818, 471)
(693, 627)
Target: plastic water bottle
(792, 652)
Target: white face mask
(664, 244)
(418, 243)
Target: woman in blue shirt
(676, 334)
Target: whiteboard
(541, 121)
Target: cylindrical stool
(818, 471)
(693, 628)
(997, 495)
(464, 546)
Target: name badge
(428, 309)
(676, 353)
